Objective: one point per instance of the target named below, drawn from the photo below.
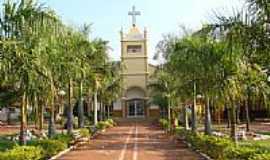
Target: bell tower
(134, 59)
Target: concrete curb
(62, 153)
(206, 157)
(72, 147)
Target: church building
(136, 71)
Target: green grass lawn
(6, 144)
(262, 144)
(264, 133)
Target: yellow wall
(136, 70)
(135, 66)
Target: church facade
(135, 74)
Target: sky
(158, 16)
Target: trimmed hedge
(264, 156)
(6, 144)
(84, 132)
(64, 138)
(50, 147)
(44, 149)
(36, 149)
(220, 148)
(105, 124)
(23, 153)
(164, 123)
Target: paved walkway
(133, 141)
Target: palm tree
(164, 86)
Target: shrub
(50, 147)
(164, 124)
(111, 122)
(84, 132)
(220, 148)
(264, 156)
(22, 153)
(6, 144)
(64, 138)
(241, 152)
(100, 125)
(108, 124)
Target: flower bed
(46, 148)
(223, 148)
(22, 153)
(164, 124)
(102, 125)
(37, 149)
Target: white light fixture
(199, 96)
(62, 93)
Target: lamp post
(194, 116)
(61, 93)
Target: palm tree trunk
(238, 113)
(247, 115)
(23, 126)
(101, 111)
(95, 109)
(233, 122)
(108, 111)
(51, 128)
(228, 112)
(186, 123)
(104, 111)
(169, 112)
(41, 117)
(80, 107)
(70, 109)
(36, 111)
(207, 127)
(193, 111)
(175, 118)
(89, 105)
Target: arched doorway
(135, 108)
(135, 103)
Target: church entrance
(135, 108)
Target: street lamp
(199, 96)
(61, 93)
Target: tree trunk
(186, 122)
(36, 111)
(247, 115)
(228, 112)
(23, 126)
(89, 105)
(238, 108)
(80, 107)
(169, 113)
(104, 111)
(70, 109)
(101, 111)
(175, 119)
(193, 111)
(41, 117)
(233, 122)
(95, 109)
(108, 111)
(51, 128)
(207, 119)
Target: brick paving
(133, 141)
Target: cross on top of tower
(134, 13)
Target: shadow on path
(151, 144)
